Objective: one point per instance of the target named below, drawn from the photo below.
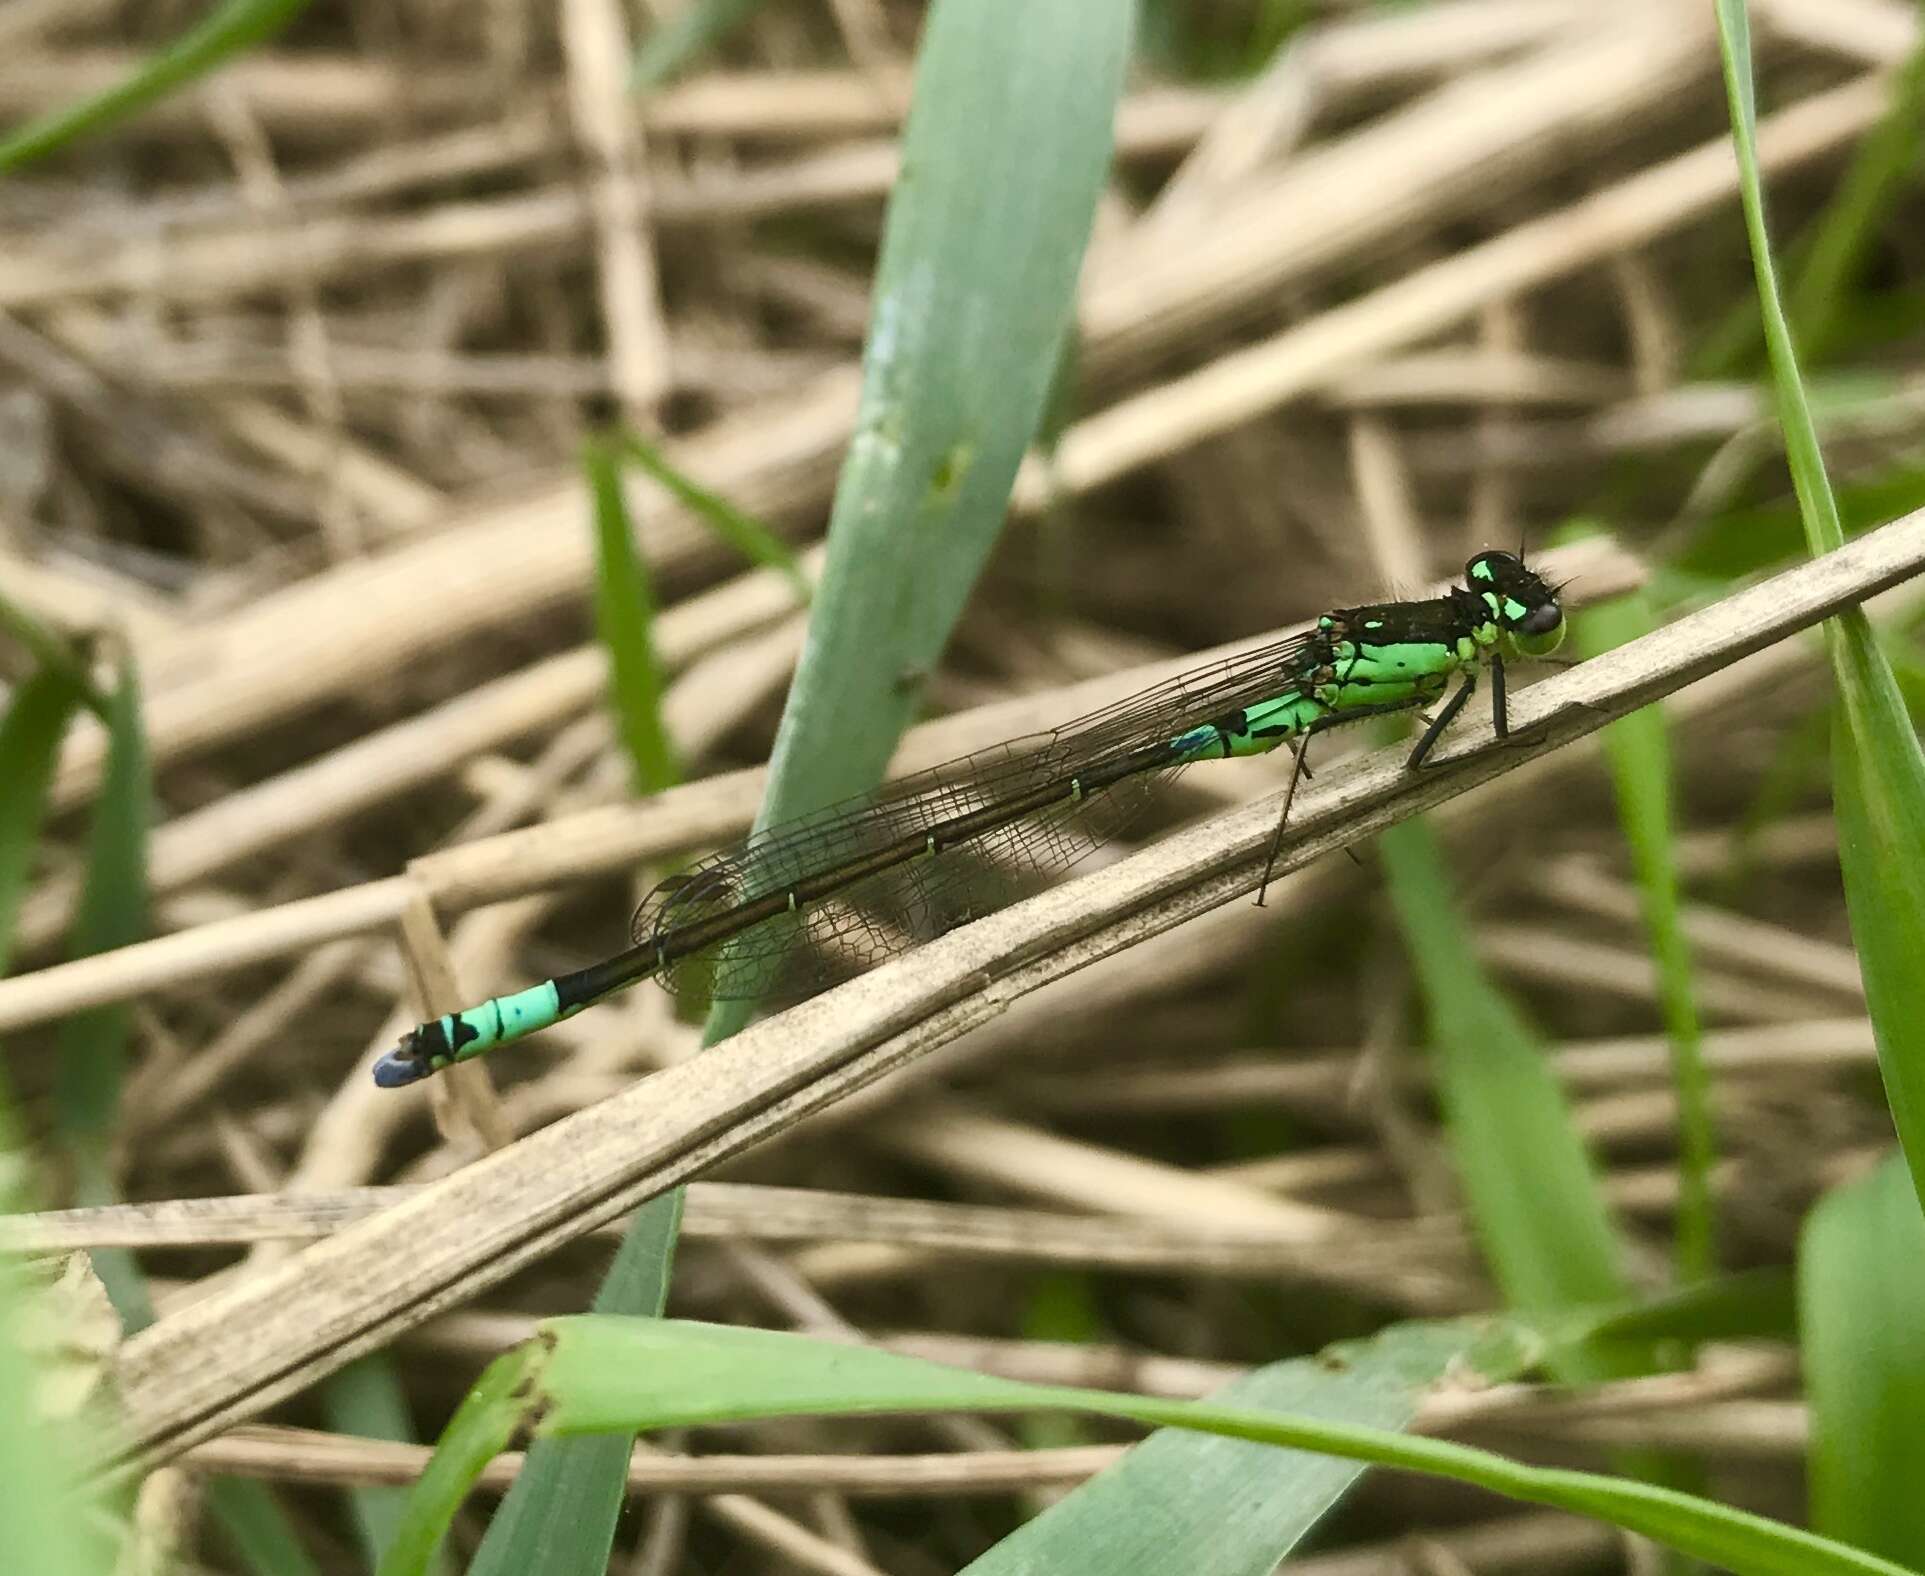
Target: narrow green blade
(1878, 795)
(1877, 765)
(1836, 244)
(686, 36)
(625, 621)
(1532, 1193)
(1528, 1182)
(1638, 750)
(560, 1515)
(92, 1045)
(50, 650)
(746, 534)
(232, 27)
(30, 736)
(366, 1400)
(251, 1521)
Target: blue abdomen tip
(396, 1071)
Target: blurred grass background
(296, 370)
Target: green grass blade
(230, 28)
(92, 1046)
(1532, 1194)
(1816, 506)
(1007, 143)
(689, 34)
(483, 1424)
(1861, 1289)
(30, 735)
(594, 1374)
(1833, 251)
(112, 913)
(559, 1516)
(1751, 1305)
(1877, 766)
(1877, 176)
(252, 1522)
(1638, 751)
(1236, 1509)
(49, 650)
(624, 619)
(1878, 796)
(1059, 1306)
(366, 1401)
(1528, 1182)
(746, 534)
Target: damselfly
(797, 906)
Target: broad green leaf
(1238, 1508)
(1008, 140)
(50, 1523)
(1861, 1289)
(595, 1374)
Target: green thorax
(1358, 661)
(1400, 653)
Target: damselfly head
(1523, 603)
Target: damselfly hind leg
(1299, 769)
